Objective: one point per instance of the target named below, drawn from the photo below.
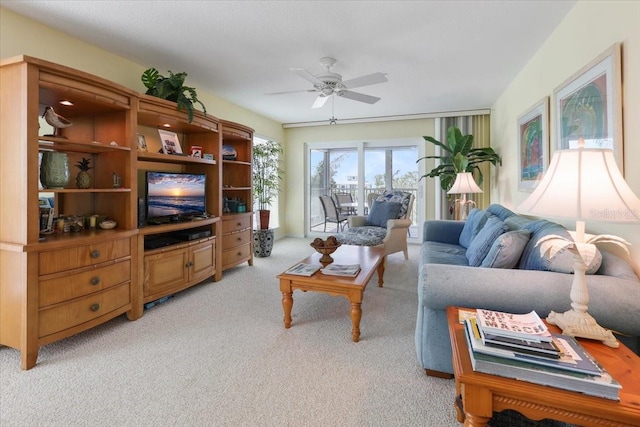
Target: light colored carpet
(218, 355)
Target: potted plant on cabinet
(267, 174)
(173, 89)
(459, 156)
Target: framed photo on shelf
(170, 142)
(533, 145)
(588, 106)
(142, 143)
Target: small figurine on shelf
(83, 178)
(56, 121)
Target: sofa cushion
(443, 253)
(481, 244)
(397, 196)
(500, 211)
(507, 249)
(537, 257)
(562, 259)
(381, 212)
(472, 226)
(613, 265)
(517, 222)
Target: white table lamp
(463, 185)
(583, 184)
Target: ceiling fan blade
(306, 75)
(358, 96)
(320, 101)
(370, 79)
(291, 91)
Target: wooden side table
(482, 394)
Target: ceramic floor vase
(262, 243)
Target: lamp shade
(583, 184)
(464, 184)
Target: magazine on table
(572, 356)
(349, 270)
(602, 385)
(303, 269)
(550, 349)
(523, 326)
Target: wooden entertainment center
(55, 284)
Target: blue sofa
(523, 281)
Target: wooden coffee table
(371, 259)
(482, 394)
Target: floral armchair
(387, 224)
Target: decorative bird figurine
(56, 120)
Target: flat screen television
(174, 195)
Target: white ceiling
(439, 56)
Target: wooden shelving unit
(237, 227)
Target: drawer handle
(95, 307)
(239, 253)
(239, 224)
(189, 264)
(239, 239)
(95, 253)
(95, 281)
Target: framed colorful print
(142, 143)
(533, 145)
(588, 106)
(170, 142)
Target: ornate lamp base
(583, 325)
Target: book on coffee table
(349, 270)
(572, 356)
(602, 385)
(303, 269)
(527, 326)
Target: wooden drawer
(81, 310)
(236, 239)
(82, 256)
(235, 255)
(230, 225)
(89, 281)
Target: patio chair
(344, 203)
(331, 213)
(386, 225)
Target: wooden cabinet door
(202, 261)
(165, 270)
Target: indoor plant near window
(266, 184)
(459, 156)
(172, 88)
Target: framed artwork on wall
(588, 106)
(533, 145)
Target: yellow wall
(589, 29)
(19, 35)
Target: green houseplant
(172, 88)
(267, 174)
(459, 156)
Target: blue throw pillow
(380, 212)
(507, 249)
(472, 226)
(480, 245)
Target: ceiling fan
(330, 83)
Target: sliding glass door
(358, 169)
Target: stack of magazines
(348, 270)
(520, 346)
